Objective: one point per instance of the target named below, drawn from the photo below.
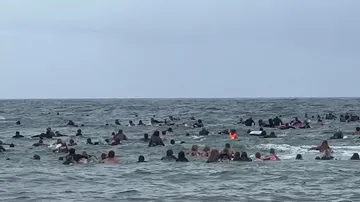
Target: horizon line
(177, 98)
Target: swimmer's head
(111, 154)
(85, 154)
(261, 129)
(298, 157)
(325, 143)
(187, 134)
(103, 156)
(172, 141)
(214, 155)
(156, 133)
(272, 151)
(163, 132)
(141, 158)
(194, 148)
(169, 152)
(113, 133)
(272, 134)
(72, 141)
(357, 129)
(11, 145)
(41, 142)
(61, 158)
(36, 157)
(181, 155)
(232, 131)
(79, 131)
(258, 155)
(206, 149)
(58, 141)
(88, 140)
(120, 132)
(227, 145)
(17, 133)
(107, 141)
(244, 155)
(199, 121)
(146, 136)
(237, 154)
(248, 131)
(317, 158)
(131, 122)
(170, 130)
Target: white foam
(2, 118)
(286, 151)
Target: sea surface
(24, 179)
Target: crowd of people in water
(212, 155)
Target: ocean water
(24, 179)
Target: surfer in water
(181, 157)
(169, 156)
(155, 140)
(321, 148)
(111, 158)
(214, 156)
(272, 156)
(249, 122)
(17, 135)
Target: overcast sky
(187, 48)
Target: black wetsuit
(17, 136)
(245, 159)
(155, 141)
(277, 121)
(327, 158)
(237, 158)
(198, 125)
(46, 135)
(169, 158)
(222, 156)
(38, 144)
(337, 135)
(224, 132)
(182, 160)
(76, 157)
(204, 133)
(249, 122)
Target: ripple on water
(48, 180)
